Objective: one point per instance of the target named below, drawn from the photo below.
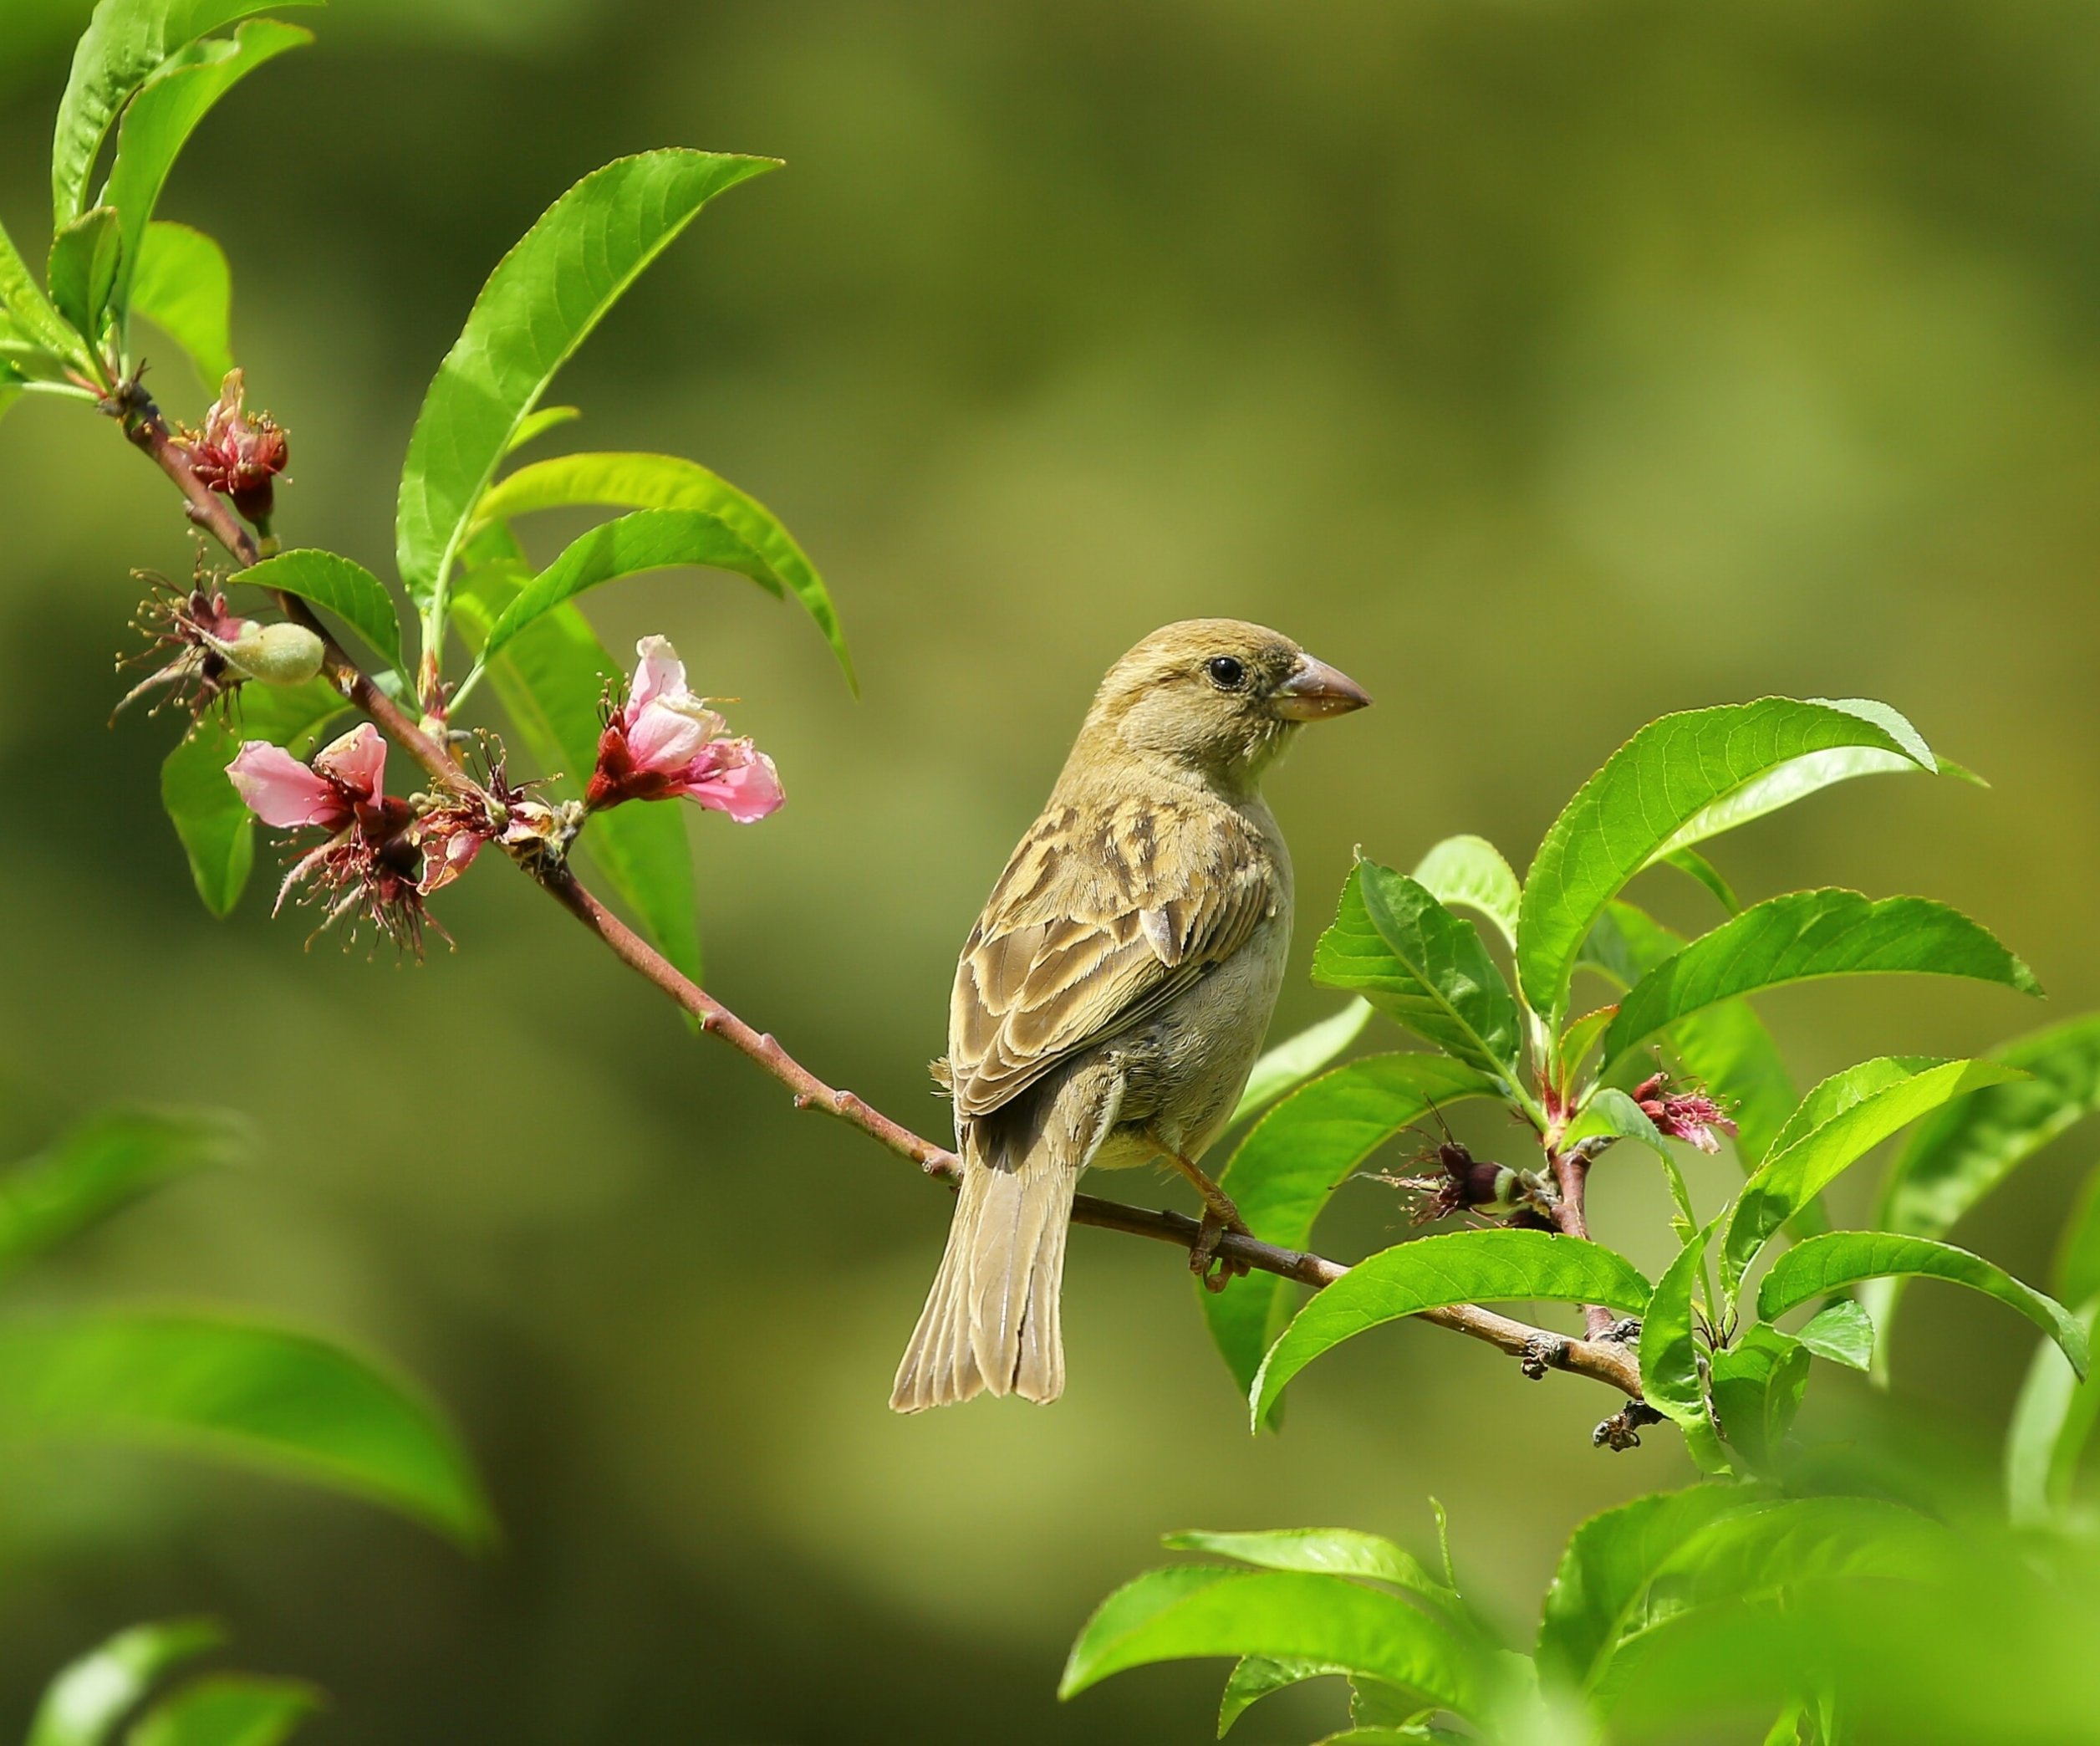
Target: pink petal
(661, 674)
(357, 762)
(281, 791)
(668, 732)
(746, 786)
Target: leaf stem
(1604, 1361)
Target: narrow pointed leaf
(336, 584)
(1329, 1552)
(241, 1390)
(217, 829)
(1490, 1266)
(1677, 782)
(1670, 1378)
(543, 298)
(160, 119)
(124, 43)
(2051, 1423)
(1289, 1166)
(1256, 1676)
(667, 482)
(105, 1163)
(1832, 1263)
(1281, 1616)
(1468, 872)
(1701, 871)
(184, 287)
(228, 1709)
(1415, 960)
(1842, 1332)
(645, 540)
(30, 312)
(1598, 1593)
(1801, 1169)
(1295, 1059)
(530, 429)
(82, 274)
(550, 679)
(1805, 936)
(84, 1704)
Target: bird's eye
(1226, 673)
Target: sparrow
(1110, 1001)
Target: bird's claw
(1203, 1260)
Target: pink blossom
(1688, 1115)
(664, 742)
(238, 454)
(192, 631)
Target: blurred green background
(1547, 367)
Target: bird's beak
(1317, 691)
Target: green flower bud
(274, 654)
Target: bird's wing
(1092, 928)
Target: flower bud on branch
(238, 454)
(663, 742)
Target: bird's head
(1219, 695)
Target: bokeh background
(1546, 366)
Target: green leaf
(1290, 1164)
(217, 829)
(30, 312)
(228, 1709)
(1599, 1594)
(1254, 1677)
(1808, 1162)
(124, 43)
(183, 286)
(1579, 1038)
(1295, 1059)
(1757, 1386)
(1329, 1552)
(245, 1390)
(1192, 1610)
(84, 1704)
(550, 681)
(105, 1163)
(543, 298)
(1967, 1149)
(2076, 1271)
(160, 119)
(1677, 782)
(1829, 1264)
(1669, 1365)
(84, 258)
(1415, 960)
(1805, 936)
(531, 428)
(1696, 867)
(645, 540)
(1842, 1332)
(667, 482)
(1486, 1266)
(339, 585)
(2051, 1422)
(1468, 872)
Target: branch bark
(1538, 1349)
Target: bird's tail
(991, 1319)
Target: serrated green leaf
(530, 429)
(1464, 1267)
(32, 316)
(1677, 782)
(544, 297)
(336, 584)
(1415, 960)
(105, 1163)
(1284, 1172)
(1793, 1176)
(217, 829)
(1829, 1264)
(1189, 1612)
(550, 681)
(124, 43)
(668, 482)
(1330, 1552)
(1805, 936)
(2051, 1422)
(241, 1390)
(1701, 871)
(1256, 1676)
(82, 1705)
(1757, 1385)
(1468, 872)
(1669, 1358)
(83, 275)
(184, 287)
(1604, 1575)
(160, 118)
(1295, 1059)
(1842, 1332)
(228, 1709)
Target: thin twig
(1604, 1361)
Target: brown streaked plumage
(1111, 998)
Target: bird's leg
(1219, 1215)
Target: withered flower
(237, 453)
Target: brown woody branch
(1538, 1349)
